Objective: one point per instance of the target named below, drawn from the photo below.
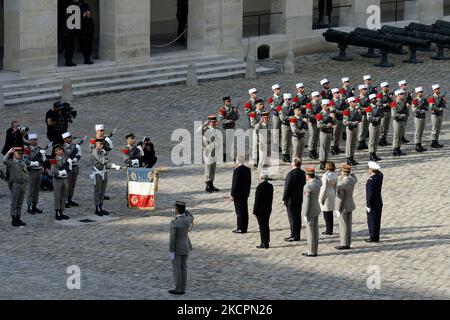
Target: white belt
(98, 172)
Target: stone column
(299, 19)
(231, 25)
(278, 21)
(360, 11)
(430, 10)
(204, 25)
(124, 29)
(411, 11)
(30, 35)
(346, 14)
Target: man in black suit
(325, 8)
(240, 191)
(262, 209)
(293, 198)
(374, 201)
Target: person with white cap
(132, 153)
(301, 98)
(386, 102)
(107, 145)
(399, 114)
(263, 130)
(250, 106)
(363, 128)
(255, 118)
(325, 92)
(73, 154)
(374, 201)
(437, 106)
(420, 107)
(286, 113)
(352, 118)
(403, 84)
(371, 89)
(228, 115)
(313, 108)
(34, 158)
(337, 106)
(325, 122)
(348, 92)
(299, 126)
(374, 115)
(60, 169)
(275, 102)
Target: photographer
(14, 136)
(55, 124)
(149, 159)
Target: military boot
(422, 148)
(418, 149)
(208, 187)
(20, 222)
(36, 209)
(377, 158)
(63, 216)
(372, 157)
(57, 216)
(98, 212)
(360, 146)
(30, 210)
(14, 222)
(104, 212)
(404, 140)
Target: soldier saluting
(210, 142)
(34, 158)
(228, 115)
(132, 153)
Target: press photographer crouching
(149, 159)
(58, 119)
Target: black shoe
(57, 216)
(349, 161)
(333, 151)
(311, 155)
(30, 210)
(36, 209)
(354, 163)
(377, 158)
(98, 212)
(396, 152)
(366, 147)
(342, 247)
(214, 189)
(255, 165)
(327, 233)
(422, 148)
(104, 212)
(316, 155)
(401, 153)
(72, 204)
(263, 246)
(404, 140)
(208, 188)
(20, 222)
(239, 231)
(418, 149)
(14, 222)
(175, 292)
(70, 64)
(88, 62)
(309, 255)
(382, 142)
(67, 205)
(372, 157)
(63, 216)
(360, 146)
(106, 198)
(285, 158)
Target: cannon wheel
(384, 63)
(370, 54)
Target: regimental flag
(141, 188)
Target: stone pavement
(127, 257)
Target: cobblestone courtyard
(126, 256)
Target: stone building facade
(214, 26)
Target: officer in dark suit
(87, 36)
(240, 191)
(293, 198)
(374, 201)
(263, 208)
(69, 35)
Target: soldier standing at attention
(60, 169)
(73, 154)
(210, 141)
(369, 83)
(255, 118)
(352, 118)
(420, 108)
(399, 113)
(99, 176)
(337, 106)
(286, 113)
(34, 158)
(345, 205)
(18, 177)
(364, 102)
(301, 99)
(311, 211)
(348, 92)
(312, 109)
(180, 245)
(264, 131)
(408, 100)
(228, 115)
(325, 92)
(374, 115)
(437, 106)
(386, 102)
(275, 102)
(299, 126)
(374, 202)
(250, 106)
(325, 123)
(107, 143)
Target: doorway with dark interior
(83, 43)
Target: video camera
(23, 128)
(66, 111)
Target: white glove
(172, 255)
(115, 166)
(338, 213)
(135, 163)
(141, 150)
(34, 164)
(368, 210)
(305, 218)
(44, 155)
(70, 163)
(62, 174)
(74, 161)
(78, 149)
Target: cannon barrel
(369, 33)
(399, 31)
(337, 36)
(421, 27)
(408, 41)
(442, 24)
(433, 37)
(364, 41)
(443, 31)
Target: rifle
(75, 151)
(112, 133)
(442, 103)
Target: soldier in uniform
(180, 245)
(73, 154)
(311, 211)
(386, 102)
(420, 108)
(99, 176)
(228, 115)
(437, 106)
(374, 115)
(275, 102)
(399, 114)
(345, 205)
(18, 177)
(348, 92)
(325, 92)
(337, 106)
(211, 141)
(34, 158)
(299, 126)
(352, 118)
(408, 100)
(255, 118)
(264, 131)
(301, 99)
(374, 202)
(363, 128)
(250, 106)
(107, 143)
(60, 169)
(286, 113)
(132, 153)
(371, 89)
(312, 109)
(325, 122)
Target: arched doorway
(78, 54)
(2, 34)
(168, 26)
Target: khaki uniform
(351, 117)
(60, 183)
(286, 114)
(275, 103)
(99, 176)
(73, 152)
(255, 118)
(227, 118)
(363, 127)
(311, 211)
(298, 127)
(18, 178)
(437, 115)
(34, 159)
(420, 107)
(326, 134)
(386, 120)
(264, 132)
(399, 113)
(345, 205)
(311, 111)
(375, 114)
(338, 129)
(211, 144)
